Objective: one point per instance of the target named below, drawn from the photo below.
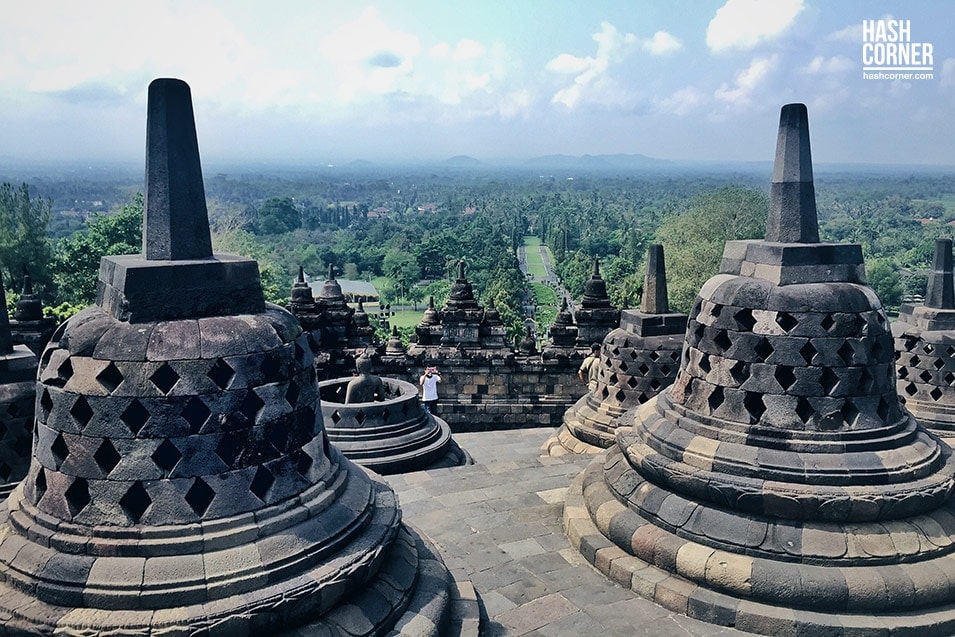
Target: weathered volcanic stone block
(180, 479)
(925, 348)
(782, 448)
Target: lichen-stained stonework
(181, 481)
(925, 348)
(29, 327)
(778, 485)
(596, 316)
(394, 435)
(633, 369)
(638, 360)
(17, 397)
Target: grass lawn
(406, 318)
(546, 300)
(532, 252)
(402, 318)
(544, 295)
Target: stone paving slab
(497, 523)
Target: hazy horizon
(421, 81)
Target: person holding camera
(429, 388)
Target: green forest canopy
(413, 227)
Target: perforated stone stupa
(637, 361)
(181, 481)
(778, 485)
(18, 367)
(925, 348)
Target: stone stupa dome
(181, 480)
(778, 486)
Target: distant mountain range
(597, 162)
(463, 161)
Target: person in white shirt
(429, 388)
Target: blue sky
(328, 82)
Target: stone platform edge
(680, 595)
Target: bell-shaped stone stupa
(181, 481)
(596, 315)
(778, 485)
(925, 348)
(637, 361)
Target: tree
(693, 240)
(77, 257)
(278, 215)
(415, 295)
(402, 268)
(23, 242)
(276, 281)
(883, 277)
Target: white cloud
(828, 101)
(747, 81)
(122, 45)
(468, 50)
(948, 72)
(440, 50)
(681, 102)
(515, 104)
(592, 81)
(662, 43)
(568, 64)
(369, 57)
(743, 24)
(851, 33)
(823, 65)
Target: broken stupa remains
(181, 481)
(778, 485)
(925, 348)
(637, 361)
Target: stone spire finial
(939, 292)
(655, 283)
(301, 291)
(460, 269)
(596, 271)
(331, 272)
(792, 208)
(176, 222)
(27, 284)
(6, 340)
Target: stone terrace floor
(498, 524)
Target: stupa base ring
(717, 586)
(564, 442)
